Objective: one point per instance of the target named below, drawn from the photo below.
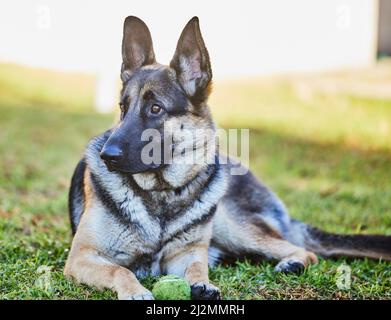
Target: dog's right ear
(137, 48)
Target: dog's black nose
(111, 154)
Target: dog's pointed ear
(137, 48)
(191, 63)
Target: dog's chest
(138, 236)
(138, 228)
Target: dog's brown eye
(156, 109)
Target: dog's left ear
(137, 47)
(191, 63)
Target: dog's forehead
(157, 78)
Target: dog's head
(156, 96)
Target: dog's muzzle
(112, 156)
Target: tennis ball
(171, 288)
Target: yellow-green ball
(171, 288)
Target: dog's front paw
(138, 296)
(205, 291)
(289, 266)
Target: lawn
(323, 147)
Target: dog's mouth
(116, 166)
(112, 166)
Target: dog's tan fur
(256, 240)
(88, 264)
(189, 258)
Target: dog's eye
(156, 109)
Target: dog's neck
(167, 202)
(172, 176)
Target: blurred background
(311, 79)
(249, 38)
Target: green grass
(327, 155)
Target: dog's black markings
(203, 186)
(293, 267)
(113, 207)
(200, 291)
(76, 195)
(196, 222)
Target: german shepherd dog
(130, 219)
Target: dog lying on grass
(131, 218)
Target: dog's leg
(245, 238)
(292, 259)
(86, 266)
(191, 262)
